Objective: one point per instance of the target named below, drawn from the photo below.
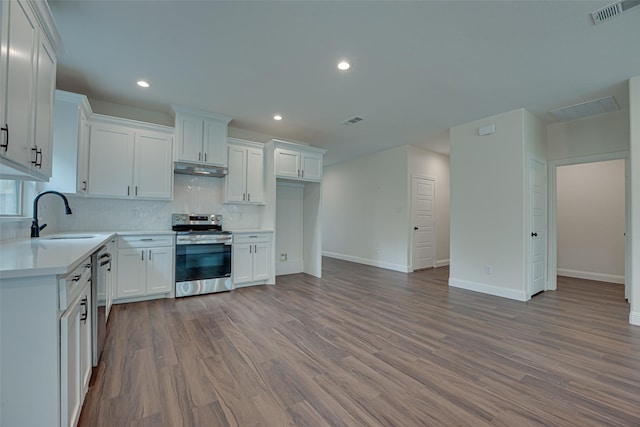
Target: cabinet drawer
(146, 241)
(251, 238)
(72, 284)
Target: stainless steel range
(203, 254)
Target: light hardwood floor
(370, 347)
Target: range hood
(200, 170)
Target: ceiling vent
(613, 10)
(353, 120)
(586, 109)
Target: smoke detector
(608, 12)
(353, 120)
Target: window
(10, 197)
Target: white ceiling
(418, 67)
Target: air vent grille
(586, 109)
(613, 10)
(353, 120)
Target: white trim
(442, 262)
(634, 318)
(371, 262)
(552, 212)
(589, 275)
(518, 295)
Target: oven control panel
(196, 219)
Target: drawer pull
(86, 310)
(146, 240)
(76, 278)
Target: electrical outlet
(488, 269)
(283, 257)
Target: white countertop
(45, 256)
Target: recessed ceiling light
(277, 117)
(142, 83)
(343, 65)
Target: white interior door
(423, 210)
(538, 236)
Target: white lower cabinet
(75, 356)
(76, 346)
(252, 258)
(145, 265)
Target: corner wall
(487, 207)
(634, 119)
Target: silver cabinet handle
(248, 197)
(146, 240)
(149, 254)
(142, 252)
(298, 172)
(136, 190)
(84, 315)
(244, 196)
(128, 190)
(205, 157)
(199, 156)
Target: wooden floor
(371, 347)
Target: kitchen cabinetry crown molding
(101, 118)
(46, 21)
(297, 146)
(177, 109)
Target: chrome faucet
(35, 228)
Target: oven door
(203, 268)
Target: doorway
(423, 222)
(589, 218)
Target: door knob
(534, 234)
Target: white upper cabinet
(27, 76)
(298, 162)
(130, 159)
(201, 137)
(245, 180)
(70, 144)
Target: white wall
(591, 220)
(433, 165)
(602, 134)
(289, 228)
(365, 203)
(487, 206)
(634, 118)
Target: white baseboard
(442, 263)
(634, 318)
(588, 275)
(366, 261)
(488, 289)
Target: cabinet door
(242, 263)
(255, 175)
(261, 261)
(311, 167)
(70, 365)
(110, 161)
(215, 143)
(131, 273)
(45, 95)
(19, 46)
(236, 187)
(153, 171)
(86, 345)
(189, 135)
(287, 163)
(82, 179)
(160, 263)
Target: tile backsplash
(190, 194)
